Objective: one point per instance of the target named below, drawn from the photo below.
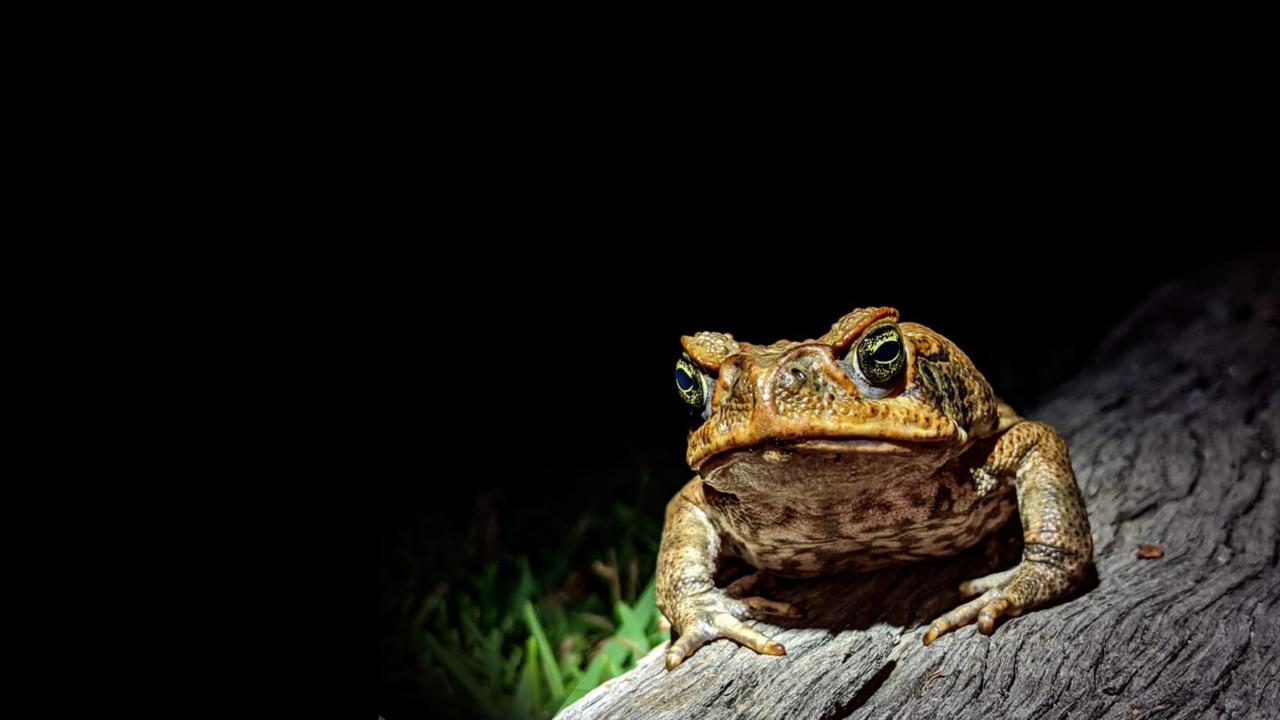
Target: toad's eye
(880, 356)
(691, 383)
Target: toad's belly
(863, 532)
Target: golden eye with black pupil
(881, 357)
(691, 383)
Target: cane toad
(879, 443)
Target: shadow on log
(1173, 431)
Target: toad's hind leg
(746, 589)
(697, 610)
(1057, 544)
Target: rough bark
(1173, 430)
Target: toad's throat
(815, 472)
(832, 449)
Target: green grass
(563, 654)
(520, 638)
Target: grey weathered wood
(1174, 431)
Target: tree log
(1173, 431)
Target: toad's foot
(1057, 544)
(758, 581)
(714, 614)
(1038, 579)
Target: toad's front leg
(1057, 544)
(698, 611)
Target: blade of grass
(589, 680)
(549, 666)
(647, 602)
(459, 672)
(531, 665)
(609, 573)
(617, 652)
(521, 706)
(599, 622)
(636, 621)
(429, 603)
(493, 658)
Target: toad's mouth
(784, 451)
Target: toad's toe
(715, 615)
